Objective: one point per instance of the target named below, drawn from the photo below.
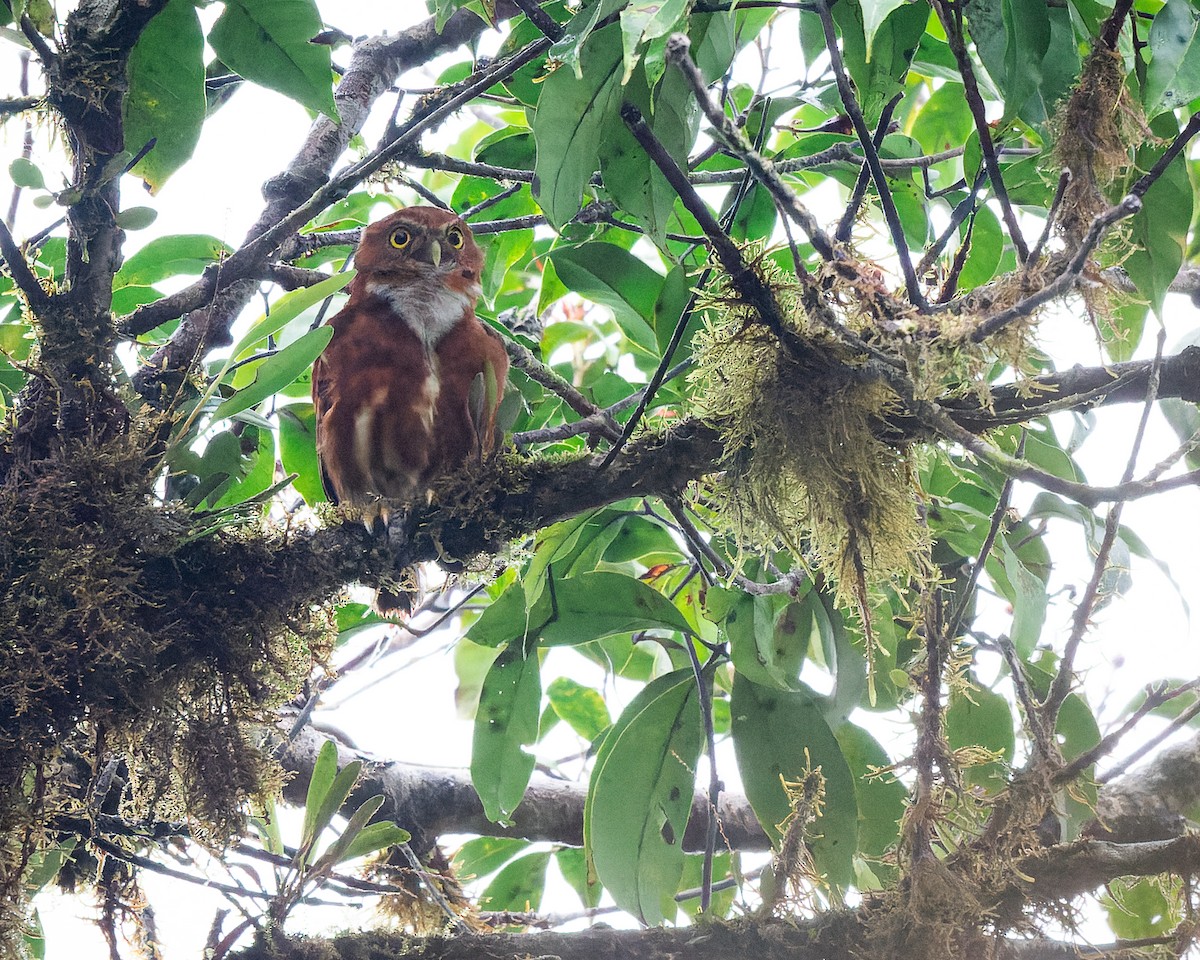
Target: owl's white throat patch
(428, 306)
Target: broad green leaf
(374, 837)
(258, 473)
(768, 637)
(319, 783)
(519, 886)
(987, 247)
(877, 78)
(1173, 76)
(776, 734)
(136, 218)
(506, 720)
(168, 257)
(269, 42)
(25, 173)
(631, 178)
(1027, 34)
(482, 855)
(276, 372)
(1139, 908)
(874, 12)
(881, 797)
(166, 101)
(574, 116)
(298, 451)
(1029, 602)
(577, 609)
(979, 717)
(286, 309)
(606, 274)
(44, 865)
(583, 708)
(572, 864)
(1158, 232)
(645, 20)
(640, 796)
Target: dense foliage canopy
(790, 498)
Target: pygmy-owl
(409, 386)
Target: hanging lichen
(807, 459)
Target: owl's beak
(435, 253)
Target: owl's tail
(398, 602)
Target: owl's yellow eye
(454, 237)
(400, 238)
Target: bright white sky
(411, 716)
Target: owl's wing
(323, 388)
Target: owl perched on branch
(409, 386)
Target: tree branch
(430, 801)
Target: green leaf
(336, 852)
(606, 274)
(645, 20)
(577, 609)
(25, 173)
(768, 637)
(269, 42)
(257, 471)
(640, 796)
(324, 770)
(877, 77)
(166, 101)
(327, 809)
(506, 720)
(987, 247)
(572, 864)
(519, 886)
(136, 218)
(298, 450)
(286, 309)
(631, 178)
(583, 708)
(276, 372)
(1027, 35)
(373, 837)
(480, 856)
(1158, 232)
(1173, 76)
(170, 256)
(1140, 908)
(881, 797)
(1184, 419)
(574, 116)
(776, 734)
(980, 717)
(874, 12)
(1029, 602)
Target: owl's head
(420, 243)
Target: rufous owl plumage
(409, 386)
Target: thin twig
(866, 139)
(1155, 698)
(1035, 254)
(1061, 683)
(523, 359)
(677, 55)
(19, 270)
(1176, 723)
(951, 20)
(1065, 280)
(846, 224)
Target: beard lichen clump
(143, 656)
(1093, 130)
(805, 458)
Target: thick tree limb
(430, 801)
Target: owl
(409, 385)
